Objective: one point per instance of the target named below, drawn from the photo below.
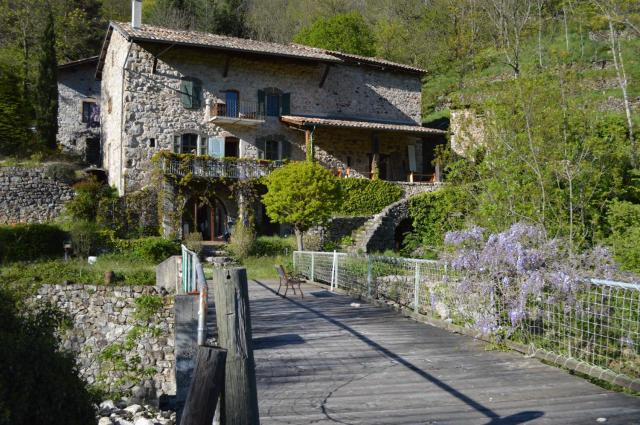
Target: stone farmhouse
(208, 110)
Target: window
(90, 113)
(152, 142)
(272, 150)
(232, 147)
(186, 143)
(273, 103)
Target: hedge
(153, 249)
(27, 242)
(367, 197)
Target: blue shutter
(216, 146)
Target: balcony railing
(241, 112)
(205, 167)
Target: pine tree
(47, 87)
(13, 115)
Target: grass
(267, 252)
(128, 271)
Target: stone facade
(467, 131)
(79, 133)
(142, 109)
(28, 196)
(102, 315)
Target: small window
(272, 150)
(152, 142)
(187, 143)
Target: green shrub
(86, 238)
(367, 197)
(623, 220)
(265, 246)
(27, 242)
(89, 194)
(433, 214)
(193, 241)
(61, 172)
(153, 249)
(242, 240)
(39, 383)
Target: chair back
(281, 272)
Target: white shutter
(216, 146)
(412, 158)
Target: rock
(105, 421)
(143, 421)
(133, 409)
(121, 421)
(106, 407)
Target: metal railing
(240, 110)
(189, 271)
(595, 329)
(240, 169)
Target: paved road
(321, 361)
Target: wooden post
(308, 142)
(375, 157)
(234, 333)
(206, 387)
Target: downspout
(122, 139)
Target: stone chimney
(136, 13)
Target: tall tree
(348, 33)
(46, 91)
(13, 119)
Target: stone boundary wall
(102, 315)
(339, 227)
(28, 196)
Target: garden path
(319, 361)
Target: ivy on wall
(367, 197)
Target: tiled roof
(150, 33)
(303, 121)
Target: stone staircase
(378, 233)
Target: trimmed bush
(367, 197)
(153, 249)
(266, 246)
(433, 214)
(28, 242)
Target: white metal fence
(596, 325)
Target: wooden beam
(233, 319)
(207, 385)
(375, 156)
(327, 67)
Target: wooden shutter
(186, 93)
(196, 94)
(261, 101)
(285, 147)
(216, 146)
(285, 104)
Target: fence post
(202, 314)
(369, 276)
(206, 387)
(313, 260)
(233, 319)
(416, 288)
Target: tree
(13, 118)
(47, 87)
(303, 194)
(348, 33)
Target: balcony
(240, 113)
(211, 168)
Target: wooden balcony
(239, 113)
(211, 168)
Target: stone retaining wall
(28, 196)
(103, 315)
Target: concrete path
(321, 361)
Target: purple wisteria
(502, 279)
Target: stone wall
(103, 315)
(28, 196)
(142, 110)
(338, 227)
(77, 84)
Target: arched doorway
(209, 219)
